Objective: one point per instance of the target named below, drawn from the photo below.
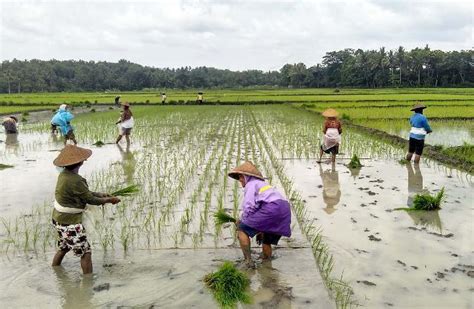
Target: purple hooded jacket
(265, 209)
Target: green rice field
(348, 247)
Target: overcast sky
(237, 35)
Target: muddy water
(34, 174)
(154, 278)
(445, 132)
(394, 258)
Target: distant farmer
(126, 123)
(117, 100)
(265, 212)
(419, 129)
(199, 97)
(332, 130)
(163, 98)
(10, 124)
(54, 124)
(63, 119)
(71, 197)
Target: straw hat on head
(330, 112)
(71, 155)
(62, 106)
(14, 118)
(247, 168)
(125, 104)
(418, 106)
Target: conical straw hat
(418, 106)
(71, 155)
(330, 112)
(247, 168)
(125, 104)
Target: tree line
(419, 67)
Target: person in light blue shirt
(63, 118)
(419, 129)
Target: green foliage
(428, 202)
(99, 143)
(127, 191)
(355, 162)
(466, 152)
(403, 161)
(220, 217)
(228, 286)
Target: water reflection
(331, 188)
(271, 292)
(128, 163)
(11, 142)
(415, 186)
(75, 292)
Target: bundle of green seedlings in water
(127, 191)
(99, 143)
(426, 202)
(355, 162)
(220, 217)
(228, 285)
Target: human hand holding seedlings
(113, 200)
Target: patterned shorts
(72, 237)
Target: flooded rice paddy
(154, 248)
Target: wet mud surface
(394, 258)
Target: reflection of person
(332, 130)
(272, 293)
(10, 124)
(418, 131)
(63, 119)
(415, 182)
(331, 188)
(163, 98)
(126, 123)
(415, 186)
(128, 163)
(199, 97)
(75, 293)
(71, 197)
(265, 212)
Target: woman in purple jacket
(265, 212)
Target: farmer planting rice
(71, 197)
(10, 124)
(419, 129)
(332, 130)
(199, 97)
(63, 118)
(163, 98)
(126, 123)
(265, 212)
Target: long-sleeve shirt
(10, 125)
(335, 124)
(72, 191)
(419, 126)
(62, 118)
(264, 208)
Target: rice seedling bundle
(220, 217)
(127, 191)
(228, 286)
(355, 162)
(428, 202)
(99, 143)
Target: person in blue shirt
(63, 118)
(418, 131)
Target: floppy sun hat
(418, 106)
(71, 155)
(330, 112)
(125, 104)
(247, 168)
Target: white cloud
(226, 34)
